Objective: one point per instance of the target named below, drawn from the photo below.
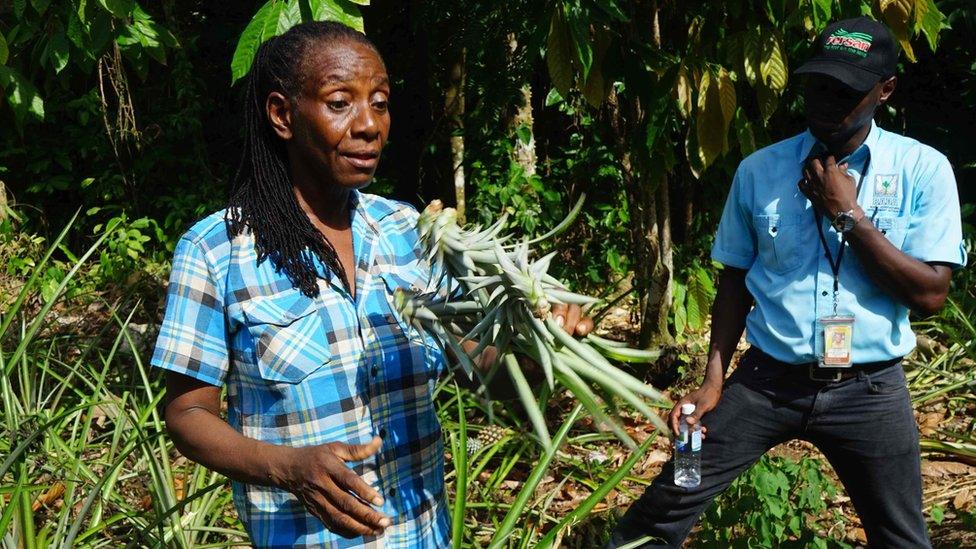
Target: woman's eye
(337, 105)
(381, 105)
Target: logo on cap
(857, 43)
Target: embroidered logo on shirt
(886, 191)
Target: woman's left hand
(571, 318)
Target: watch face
(843, 222)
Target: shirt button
(374, 371)
(824, 293)
(391, 492)
(382, 433)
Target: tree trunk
(454, 108)
(524, 153)
(650, 199)
(3, 201)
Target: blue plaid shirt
(301, 371)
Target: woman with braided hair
(284, 298)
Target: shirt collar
(870, 144)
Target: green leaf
(118, 8)
(360, 2)
(773, 65)
(613, 10)
(262, 26)
(929, 20)
(701, 292)
(40, 6)
(559, 53)
(683, 92)
(57, 49)
(679, 308)
(751, 55)
(710, 121)
(595, 88)
(21, 95)
(19, 6)
(4, 50)
(578, 23)
(821, 13)
(306, 10)
(937, 513)
(768, 101)
(340, 11)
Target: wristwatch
(845, 221)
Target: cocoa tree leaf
(773, 65)
(340, 11)
(262, 26)
(751, 55)
(4, 50)
(928, 20)
(119, 9)
(710, 121)
(898, 15)
(727, 98)
(768, 101)
(683, 92)
(559, 53)
(595, 87)
(22, 96)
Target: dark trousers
(863, 425)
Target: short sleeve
(193, 339)
(735, 240)
(935, 229)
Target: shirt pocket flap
(279, 310)
(290, 337)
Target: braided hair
(262, 199)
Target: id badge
(836, 336)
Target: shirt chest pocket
(895, 228)
(290, 337)
(779, 240)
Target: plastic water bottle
(687, 451)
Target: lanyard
(835, 264)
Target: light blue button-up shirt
(768, 229)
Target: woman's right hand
(705, 398)
(319, 477)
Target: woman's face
(337, 127)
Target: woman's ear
(279, 114)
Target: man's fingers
(356, 452)
(351, 482)
(817, 167)
(675, 415)
(584, 326)
(559, 313)
(830, 161)
(573, 313)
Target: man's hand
(705, 398)
(571, 318)
(828, 186)
(331, 491)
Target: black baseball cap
(859, 52)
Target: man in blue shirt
(822, 275)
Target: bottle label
(684, 437)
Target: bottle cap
(687, 409)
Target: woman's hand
(571, 318)
(319, 477)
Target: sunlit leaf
(751, 55)
(727, 99)
(683, 92)
(821, 13)
(595, 88)
(928, 19)
(263, 26)
(119, 9)
(22, 96)
(898, 15)
(710, 122)
(773, 65)
(340, 11)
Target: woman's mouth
(364, 160)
